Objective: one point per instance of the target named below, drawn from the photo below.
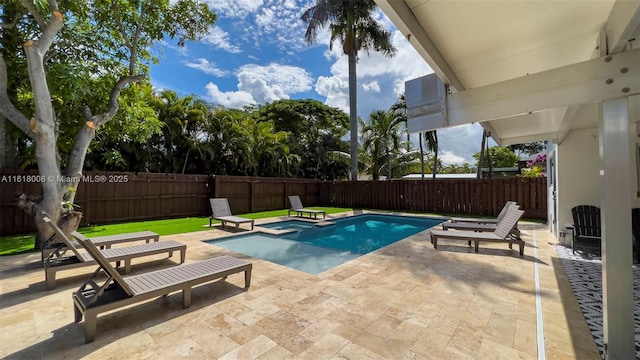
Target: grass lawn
(15, 244)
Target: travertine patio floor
(405, 301)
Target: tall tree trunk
(435, 162)
(8, 154)
(489, 162)
(435, 153)
(186, 159)
(388, 165)
(43, 126)
(353, 115)
(484, 139)
(421, 135)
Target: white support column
(617, 275)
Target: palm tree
(182, 119)
(430, 137)
(353, 23)
(381, 136)
(264, 151)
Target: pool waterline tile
(316, 224)
(320, 248)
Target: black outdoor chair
(635, 229)
(586, 228)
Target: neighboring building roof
(502, 169)
(439, 176)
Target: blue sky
(256, 53)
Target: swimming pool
(289, 225)
(318, 249)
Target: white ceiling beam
(565, 125)
(623, 21)
(530, 138)
(405, 20)
(604, 78)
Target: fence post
(211, 191)
(284, 197)
(251, 193)
(216, 188)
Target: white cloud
(279, 25)
(448, 157)
(371, 86)
(235, 8)
(291, 79)
(205, 66)
(262, 84)
(232, 99)
(273, 23)
(220, 39)
(265, 18)
(259, 89)
(388, 74)
(336, 91)
(461, 141)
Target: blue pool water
(321, 248)
(289, 225)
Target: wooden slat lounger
(296, 206)
(221, 211)
(108, 240)
(105, 242)
(476, 227)
(67, 256)
(501, 215)
(118, 291)
(501, 234)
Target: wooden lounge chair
(221, 211)
(296, 206)
(105, 242)
(67, 256)
(476, 227)
(482, 227)
(502, 213)
(118, 291)
(586, 228)
(501, 234)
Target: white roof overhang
(526, 70)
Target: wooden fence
(110, 197)
(454, 196)
(249, 194)
(117, 197)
